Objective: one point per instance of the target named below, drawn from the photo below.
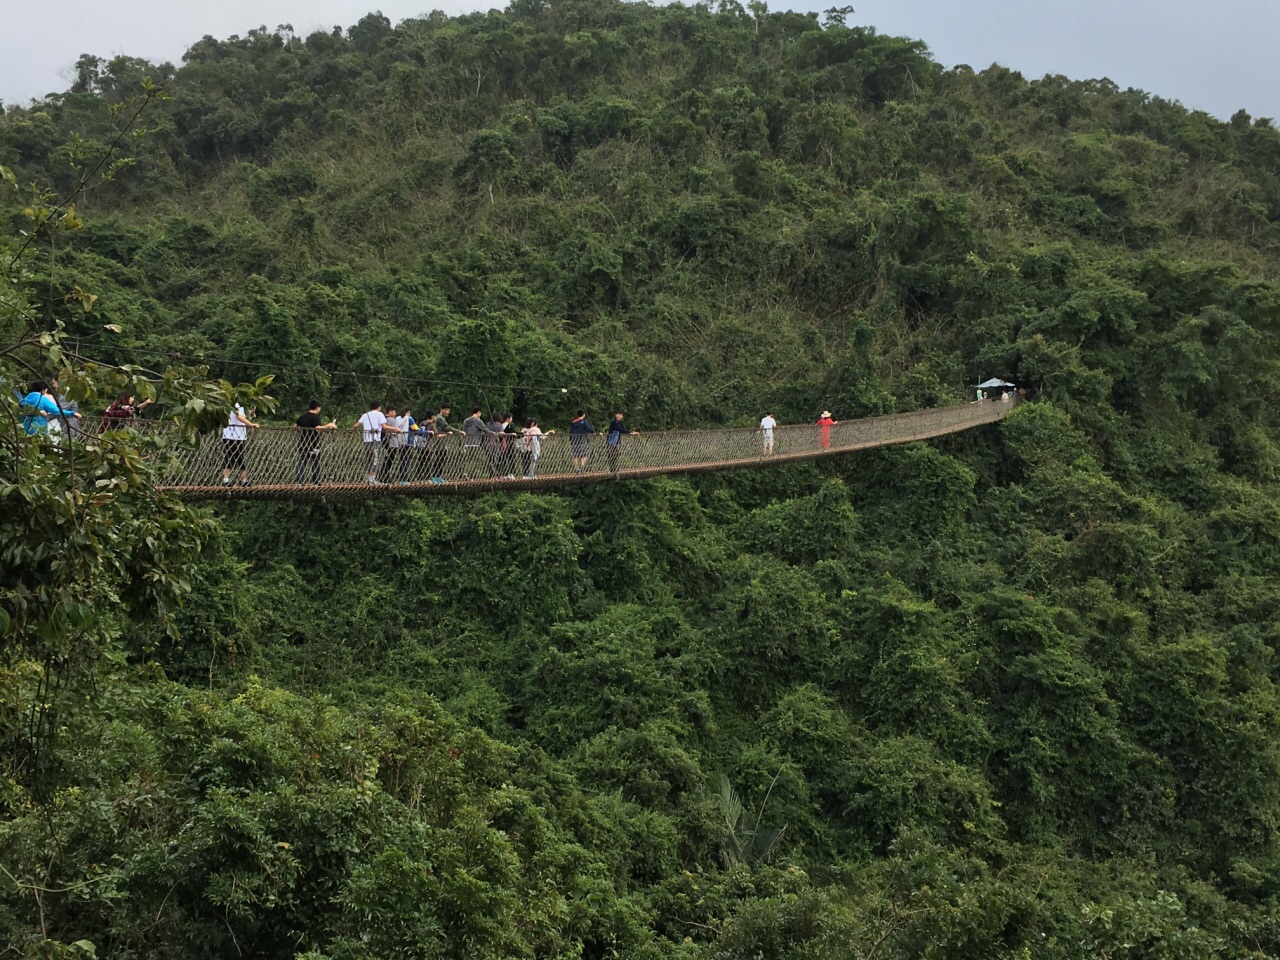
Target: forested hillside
(1007, 694)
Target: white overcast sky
(1214, 55)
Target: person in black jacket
(309, 426)
(580, 430)
(495, 444)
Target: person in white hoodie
(531, 447)
(235, 445)
(371, 422)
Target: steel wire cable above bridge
(280, 467)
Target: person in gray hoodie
(475, 431)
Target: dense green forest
(1010, 694)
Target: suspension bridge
(282, 467)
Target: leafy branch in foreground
(88, 543)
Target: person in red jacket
(118, 415)
(825, 423)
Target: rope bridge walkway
(281, 468)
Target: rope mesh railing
(281, 465)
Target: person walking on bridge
(121, 411)
(825, 423)
(613, 440)
(441, 424)
(580, 431)
(38, 406)
(416, 448)
(510, 437)
(235, 443)
(371, 423)
(495, 444)
(475, 430)
(425, 446)
(309, 426)
(767, 423)
(441, 429)
(396, 430)
(531, 446)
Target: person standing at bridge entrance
(371, 423)
(613, 440)
(767, 423)
(309, 426)
(825, 423)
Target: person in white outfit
(235, 443)
(531, 447)
(767, 423)
(372, 423)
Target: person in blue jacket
(613, 439)
(38, 406)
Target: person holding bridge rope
(309, 426)
(613, 440)
(825, 423)
(767, 423)
(121, 411)
(580, 430)
(396, 434)
(371, 423)
(38, 406)
(496, 443)
(531, 447)
(476, 430)
(416, 449)
(235, 443)
(440, 429)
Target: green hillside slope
(1007, 694)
